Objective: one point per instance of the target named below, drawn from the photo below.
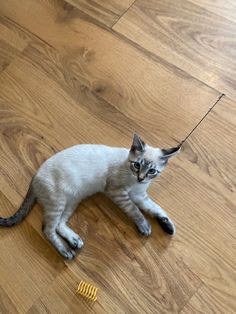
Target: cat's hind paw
(76, 243)
(68, 254)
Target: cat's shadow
(99, 215)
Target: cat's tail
(22, 212)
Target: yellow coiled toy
(87, 290)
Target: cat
(80, 171)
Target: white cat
(83, 170)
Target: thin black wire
(221, 96)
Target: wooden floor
(94, 72)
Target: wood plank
(6, 210)
(30, 124)
(210, 301)
(37, 127)
(186, 35)
(53, 98)
(27, 267)
(170, 280)
(41, 111)
(161, 283)
(199, 192)
(153, 94)
(107, 12)
(65, 300)
(5, 206)
(13, 40)
(6, 305)
(225, 8)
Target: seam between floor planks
(194, 127)
(27, 31)
(150, 55)
(122, 14)
(140, 49)
(189, 300)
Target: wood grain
(195, 40)
(27, 267)
(6, 210)
(150, 93)
(210, 301)
(70, 80)
(13, 40)
(203, 203)
(226, 8)
(102, 224)
(31, 130)
(64, 288)
(107, 12)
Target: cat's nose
(140, 179)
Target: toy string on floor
(219, 98)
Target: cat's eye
(152, 171)
(136, 165)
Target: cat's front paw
(167, 225)
(144, 228)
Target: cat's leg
(144, 202)
(67, 233)
(122, 199)
(52, 218)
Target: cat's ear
(170, 152)
(138, 145)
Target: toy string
(219, 98)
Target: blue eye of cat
(152, 171)
(137, 165)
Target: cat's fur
(83, 170)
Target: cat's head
(147, 162)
